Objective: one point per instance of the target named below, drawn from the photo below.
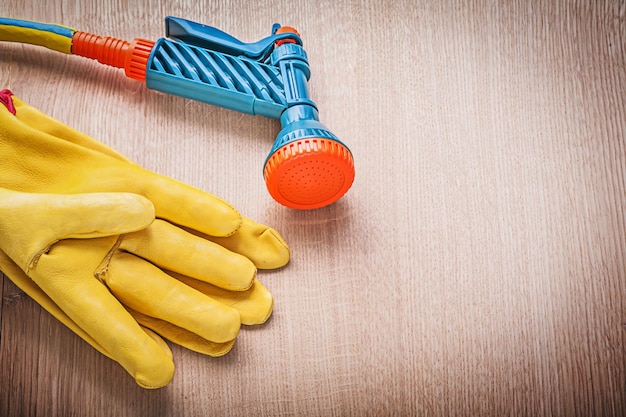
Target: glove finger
(182, 336)
(92, 307)
(175, 249)
(19, 278)
(263, 245)
(147, 289)
(255, 305)
(158, 339)
(31, 222)
(185, 205)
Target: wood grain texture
(476, 267)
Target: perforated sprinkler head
(308, 166)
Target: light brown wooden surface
(476, 267)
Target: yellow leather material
(38, 162)
(27, 285)
(58, 241)
(65, 273)
(182, 336)
(145, 288)
(263, 245)
(108, 247)
(254, 305)
(35, 221)
(174, 249)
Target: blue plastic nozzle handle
(208, 37)
(308, 167)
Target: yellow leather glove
(36, 229)
(178, 276)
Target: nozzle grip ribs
(236, 83)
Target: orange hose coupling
(131, 56)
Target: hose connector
(130, 56)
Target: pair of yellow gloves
(122, 256)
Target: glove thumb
(31, 223)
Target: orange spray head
(308, 166)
